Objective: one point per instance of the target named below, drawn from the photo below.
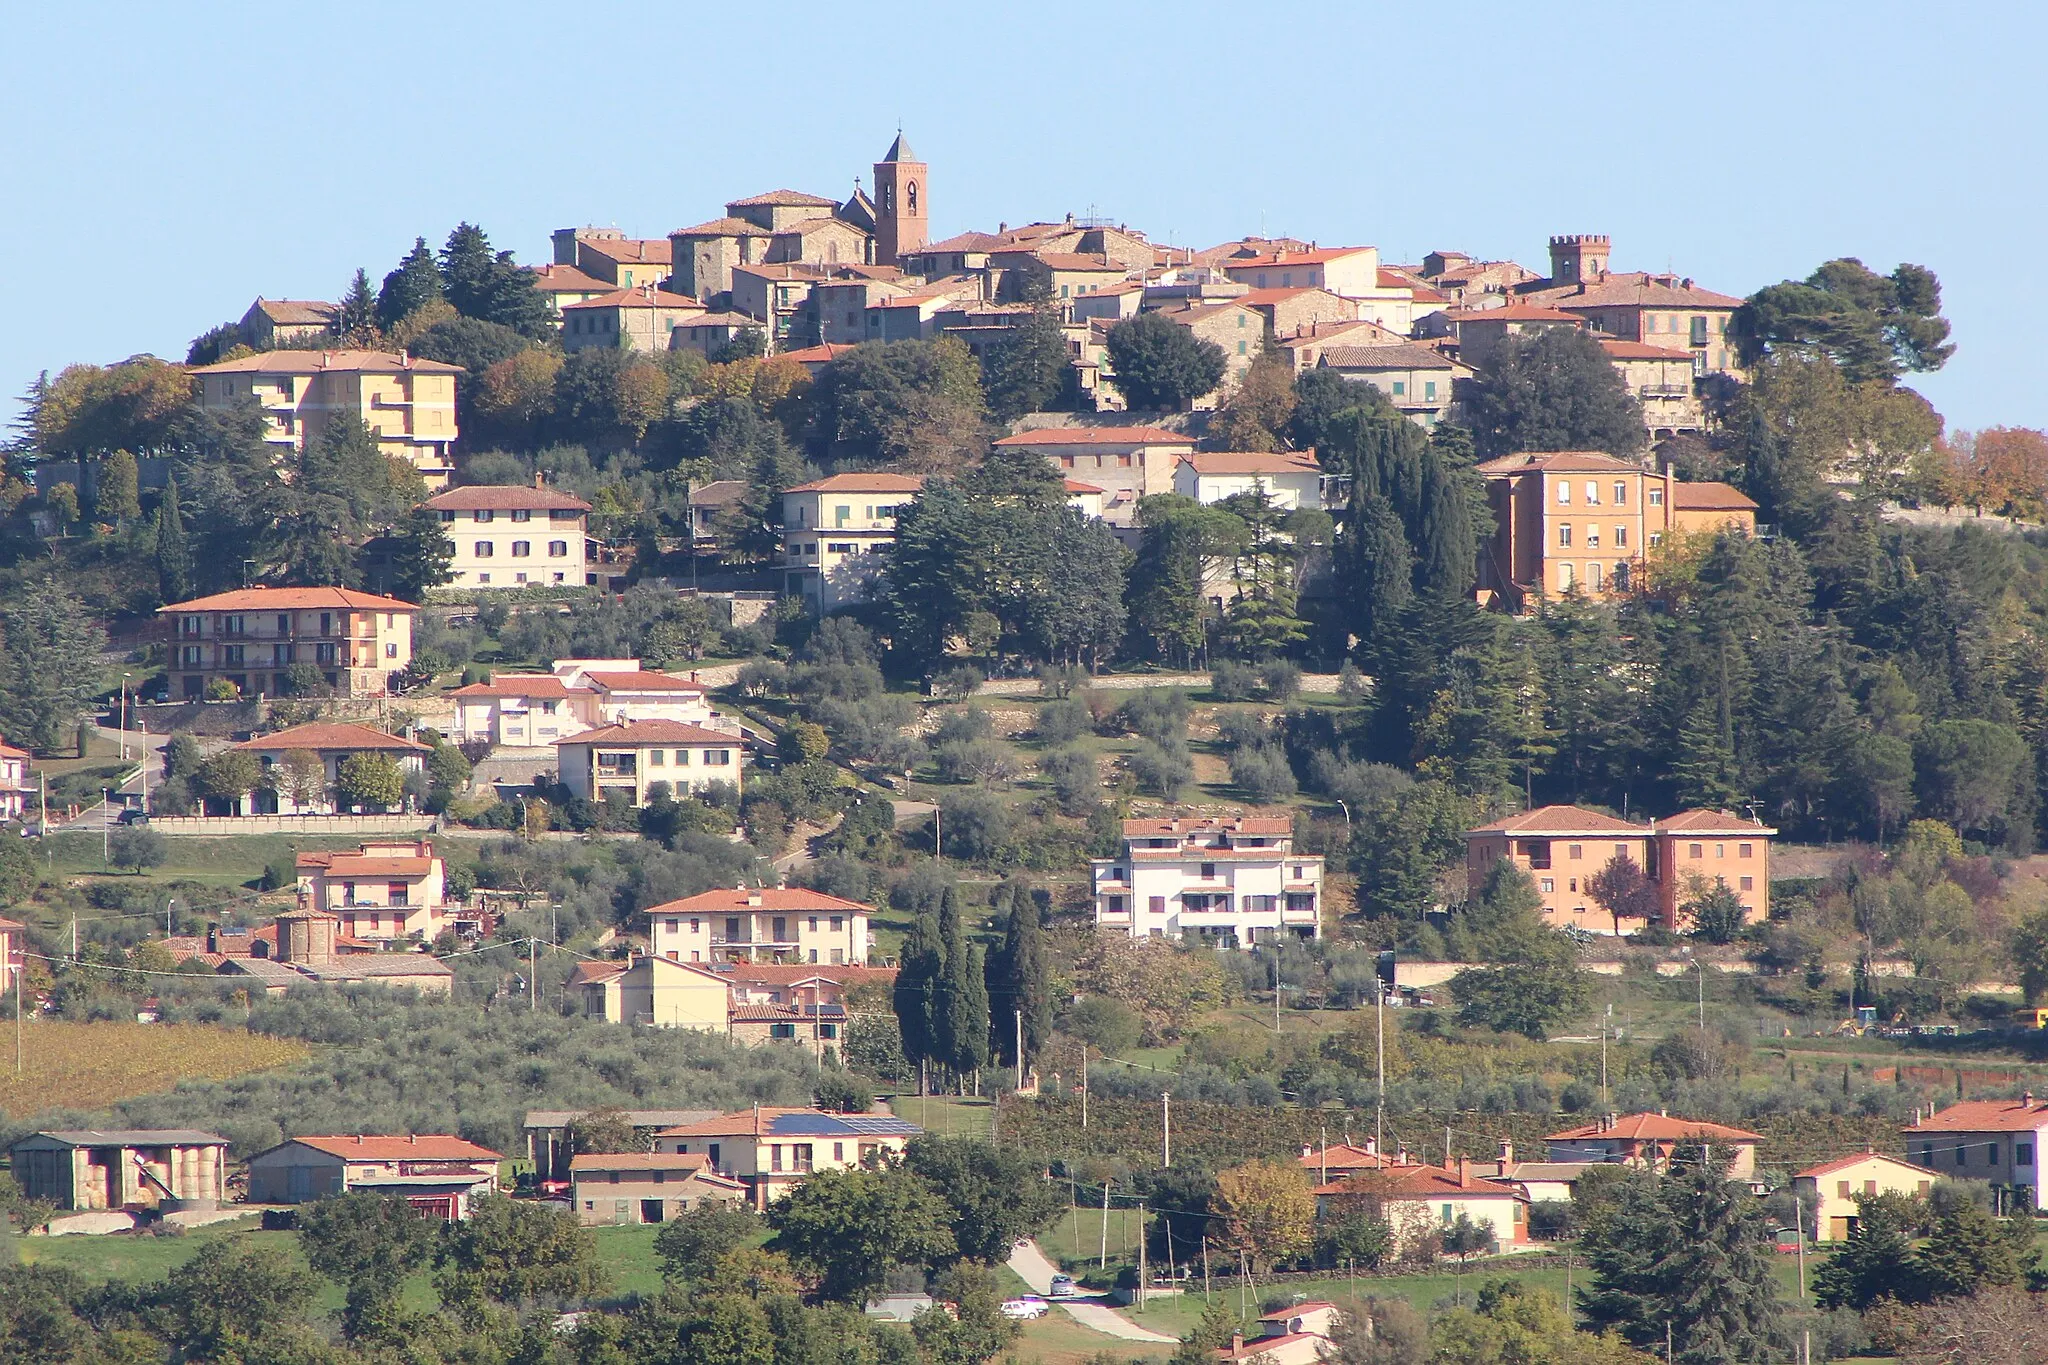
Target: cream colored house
(621, 261)
(512, 536)
(1828, 1191)
(534, 710)
(1291, 479)
(251, 636)
(654, 992)
(831, 529)
(761, 924)
(1352, 271)
(645, 1187)
(628, 759)
(708, 333)
(1419, 380)
(384, 891)
(562, 285)
(1418, 1201)
(333, 743)
(1662, 381)
(643, 318)
(1126, 463)
(1651, 1140)
(1222, 882)
(407, 402)
(271, 323)
(772, 1151)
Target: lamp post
(124, 716)
(1701, 967)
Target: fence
(217, 825)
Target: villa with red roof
(440, 1176)
(513, 536)
(1292, 479)
(288, 789)
(1126, 462)
(1224, 882)
(252, 637)
(833, 529)
(629, 758)
(386, 890)
(772, 1151)
(1999, 1141)
(1650, 1139)
(1831, 1188)
(537, 710)
(1417, 1200)
(1563, 847)
(761, 924)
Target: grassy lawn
(226, 861)
(946, 1115)
(90, 1066)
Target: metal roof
(130, 1137)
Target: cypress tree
(356, 321)
(117, 499)
(1017, 976)
(952, 1022)
(1380, 563)
(1443, 543)
(916, 992)
(971, 1011)
(173, 559)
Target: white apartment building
(1225, 882)
(629, 759)
(831, 528)
(761, 924)
(512, 536)
(536, 710)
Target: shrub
(1106, 1022)
(1062, 722)
(1159, 714)
(1076, 782)
(763, 678)
(133, 848)
(968, 723)
(986, 761)
(1230, 680)
(1281, 678)
(1165, 770)
(1262, 774)
(957, 683)
(842, 1092)
(976, 826)
(1351, 684)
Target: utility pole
(1799, 1218)
(1276, 990)
(533, 972)
(1606, 1023)
(1379, 1102)
(1103, 1261)
(124, 717)
(1166, 1129)
(1084, 1087)
(1143, 1264)
(106, 829)
(1020, 1048)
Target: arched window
(910, 198)
(888, 198)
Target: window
(1592, 493)
(390, 651)
(1156, 905)
(521, 549)
(1576, 852)
(484, 549)
(1841, 1189)
(1743, 850)
(718, 758)
(484, 514)
(1548, 884)
(1593, 577)
(839, 1151)
(2023, 1154)
(1592, 537)
(1564, 578)
(1720, 850)
(1208, 871)
(522, 514)
(1656, 497)
(1656, 539)
(1696, 851)
(484, 579)
(1564, 491)
(1564, 533)
(1400, 388)
(1621, 537)
(1699, 332)
(1620, 493)
(656, 757)
(558, 549)
(1749, 883)
(1240, 347)
(1429, 390)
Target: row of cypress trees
(946, 984)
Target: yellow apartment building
(512, 536)
(251, 636)
(408, 403)
(831, 528)
(1582, 521)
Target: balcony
(1664, 391)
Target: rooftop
(728, 899)
(875, 482)
(783, 199)
(639, 680)
(330, 734)
(1314, 256)
(1710, 497)
(1405, 356)
(508, 496)
(423, 1147)
(289, 599)
(2023, 1115)
(1226, 462)
(628, 250)
(1558, 462)
(642, 732)
(1562, 821)
(518, 685)
(297, 312)
(130, 1137)
(1098, 436)
(319, 362)
(1654, 1127)
(636, 298)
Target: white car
(1063, 1287)
(1025, 1308)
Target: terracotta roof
(960, 242)
(1710, 496)
(782, 270)
(518, 685)
(297, 312)
(509, 496)
(289, 599)
(590, 973)
(1429, 1181)
(1222, 462)
(1655, 1127)
(1635, 293)
(1699, 821)
(1638, 350)
(1240, 824)
(764, 1014)
(1076, 263)
(642, 732)
(421, 1148)
(1406, 356)
(9, 751)
(1098, 436)
(1558, 461)
(1985, 1116)
(1843, 1163)
(319, 362)
(723, 227)
(1076, 486)
(1515, 312)
(1563, 821)
(762, 1121)
(1344, 1157)
(726, 319)
(814, 355)
(1271, 259)
(720, 492)
(628, 250)
(731, 899)
(640, 680)
(357, 865)
(637, 297)
(567, 279)
(877, 482)
(792, 973)
(325, 734)
(1256, 1349)
(1296, 1310)
(639, 1161)
(783, 199)
(1261, 297)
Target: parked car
(1063, 1287)
(1025, 1308)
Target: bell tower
(902, 212)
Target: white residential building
(831, 529)
(1226, 882)
(1292, 479)
(537, 710)
(512, 536)
(761, 924)
(14, 788)
(629, 759)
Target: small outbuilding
(646, 1187)
(123, 1168)
(436, 1174)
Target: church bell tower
(901, 203)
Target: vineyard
(84, 1067)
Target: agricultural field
(77, 1066)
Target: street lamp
(1690, 956)
(124, 716)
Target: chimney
(1464, 1171)
(1507, 1155)
(1372, 1146)
(1307, 1151)
(2027, 1098)
(213, 938)
(1236, 1344)
(540, 480)
(1663, 1113)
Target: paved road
(141, 749)
(1034, 1269)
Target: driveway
(1034, 1269)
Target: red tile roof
(877, 482)
(637, 297)
(1636, 293)
(1268, 260)
(328, 735)
(1431, 1181)
(1558, 461)
(1515, 312)
(723, 227)
(1710, 497)
(1843, 1163)
(815, 355)
(1098, 436)
(1076, 263)
(1638, 350)
(358, 865)
(320, 362)
(1404, 356)
(518, 685)
(507, 496)
(783, 199)
(567, 279)
(629, 250)
(1225, 462)
(1985, 1116)
(640, 680)
(1259, 298)
(639, 1161)
(792, 973)
(1077, 487)
(743, 1122)
(1655, 1128)
(9, 751)
(1562, 821)
(1712, 821)
(642, 732)
(589, 973)
(297, 312)
(1240, 824)
(289, 599)
(1344, 1157)
(425, 1147)
(731, 899)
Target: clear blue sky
(162, 165)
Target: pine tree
(1017, 975)
(355, 321)
(50, 665)
(412, 286)
(173, 559)
(1379, 577)
(117, 499)
(1703, 772)
(1023, 372)
(917, 990)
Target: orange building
(1582, 521)
(1563, 847)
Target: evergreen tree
(1703, 771)
(1377, 570)
(1262, 621)
(1969, 1251)
(1875, 1262)
(971, 1021)
(117, 500)
(1685, 1253)
(1157, 363)
(489, 285)
(1168, 606)
(1018, 976)
(412, 286)
(1024, 371)
(173, 560)
(355, 321)
(1553, 390)
(1444, 563)
(916, 992)
(49, 666)
(415, 557)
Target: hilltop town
(803, 789)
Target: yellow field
(90, 1066)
